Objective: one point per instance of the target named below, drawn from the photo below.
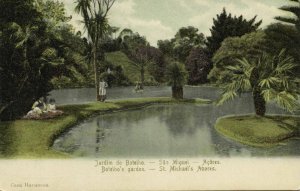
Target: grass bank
(33, 138)
(131, 69)
(259, 131)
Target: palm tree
(94, 13)
(268, 78)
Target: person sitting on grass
(43, 110)
(39, 106)
(51, 105)
(36, 109)
(51, 109)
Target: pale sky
(161, 19)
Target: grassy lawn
(131, 70)
(259, 131)
(33, 138)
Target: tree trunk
(96, 72)
(177, 92)
(259, 102)
(142, 77)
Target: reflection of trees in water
(186, 119)
(241, 105)
(180, 119)
(100, 134)
(128, 118)
(205, 116)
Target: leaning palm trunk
(259, 102)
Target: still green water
(176, 130)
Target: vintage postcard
(149, 95)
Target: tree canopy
(249, 46)
(198, 66)
(34, 49)
(226, 25)
(184, 41)
(280, 36)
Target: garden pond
(165, 130)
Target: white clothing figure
(51, 105)
(102, 90)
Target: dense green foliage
(186, 47)
(34, 48)
(287, 33)
(249, 46)
(181, 45)
(198, 66)
(225, 25)
(71, 46)
(147, 58)
(284, 36)
(187, 40)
